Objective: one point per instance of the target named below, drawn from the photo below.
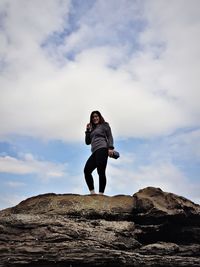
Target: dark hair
(101, 119)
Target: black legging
(97, 160)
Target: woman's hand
(88, 127)
(110, 152)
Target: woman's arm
(87, 134)
(109, 136)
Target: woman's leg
(89, 167)
(101, 162)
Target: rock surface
(150, 228)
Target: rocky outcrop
(150, 228)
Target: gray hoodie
(99, 137)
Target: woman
(98, 134)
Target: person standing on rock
(98, 134)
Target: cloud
(9, 200)
(29, 165)
(104, 23)
(14, 184)
(55, 71)
(186, 145)
(128, 178)
(173, 30)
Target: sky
(137, 62)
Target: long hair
(101, 119)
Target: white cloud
(128, 178)
(9, 200)
(147, 92)
(176, 26)
(29, 165)
(14, 184)
(186, 145)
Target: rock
(160, 248)
(152, 204)
(150, 228)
